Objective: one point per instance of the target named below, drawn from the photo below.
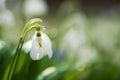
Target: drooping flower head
(41, 46)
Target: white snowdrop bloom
(41, 46)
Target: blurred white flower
(105, 32)
(86, 54)
(49, 71)
(2, 44)
(27, 46)
(75, 36)
(41, 46)
(73, 39)
(35, 8)
(7, 18)
(2, 4)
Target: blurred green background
(85, 38)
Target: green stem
(14, 61)
(28, 27)
(17, 58)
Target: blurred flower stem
(10, 70)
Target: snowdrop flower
(41, 46)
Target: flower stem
(15, 60)
(28, 27)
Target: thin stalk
(13, 61)
(28, 27)
(17, 58)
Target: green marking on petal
(38, 34)
(40, 45)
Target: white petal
(27, 46)
(36, 52)
(46, 43)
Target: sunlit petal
(46, 43)
(41, 46)
(36, 52)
